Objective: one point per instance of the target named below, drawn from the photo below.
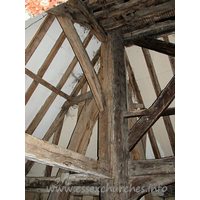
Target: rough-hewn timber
(50, 154)
(83, 58)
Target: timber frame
(122, 123)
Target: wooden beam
(96, 27)
(142, 17)
(49, 154)
(78, 99)
(137, 113)
(34, 43)
(83, 58)
(156, 29)
(84, 127)
(144, 123)
(150, 174)
(83, 80)
(112, 127)
(146, 112)
(45, 66)
(168, 111)
(46, 84)
(81, 104)
(157, 88)
(125, 8)
(138, 105)
(148, 183)
(140, 100)
(55, 141)
(95, 4)
(42, 184)
(151, 167)
(153, 44)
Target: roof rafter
(34, 43)
(83, 58)
(96, 27)
(156, 29)
(46, 84)
(153, 44)
(142, 17)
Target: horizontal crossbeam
(49, 154)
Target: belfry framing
(104, 97)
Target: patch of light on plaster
(27, 16)
(160, 149)
(82, 31)
(149, 151)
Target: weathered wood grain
(142, 17)
(146, 184)
(151, 167)
(83, 58)
(156, 29)
(96, 27)
(78, 99)
(153, 44)
(55, 141)
(50, 154)
(46, 84)
(112, 126)
(145, 112)
(125, 8)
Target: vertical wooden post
(112, 126)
